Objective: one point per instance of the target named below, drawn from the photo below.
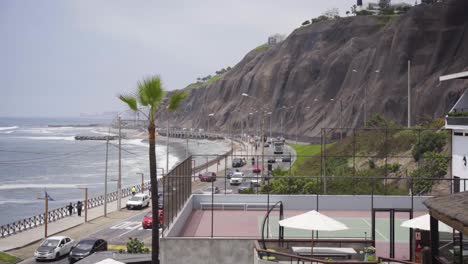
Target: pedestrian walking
(70, 209)
(133, 190)
(79, 206)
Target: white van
(138, 201)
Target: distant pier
(190, 134)
(96, 137)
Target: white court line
(376, 230)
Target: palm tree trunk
(154, 193)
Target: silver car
(54, 247)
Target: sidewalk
(35, 234)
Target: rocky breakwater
(96, 137)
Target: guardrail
(62, 212)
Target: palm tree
(149, 95)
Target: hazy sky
(63, 58)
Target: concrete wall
(460, 151)
(179, 222)
(325, 202)
(206, 251)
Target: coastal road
(223, 184)
(116, 235)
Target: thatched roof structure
(451, 209)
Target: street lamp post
(142, 181)
(85, 203)
(341, 117)
(365, 98)
(210, 115)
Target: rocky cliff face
(359, 62)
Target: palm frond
(150, 91)
(131, 101)
(175, 100)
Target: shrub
(435, 166)
(364, 13)
(371, 164)
(393, 168)
(305, 23)
(429, 141)
(379, 121)
(135, 246)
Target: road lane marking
(127, 225)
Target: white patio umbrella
(423, 222)
(313, 221)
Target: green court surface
(359, 227)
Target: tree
(305, 23)
(384, 4)
(149, 95)
(332, 13)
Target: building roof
(451, 209)
(460, 75)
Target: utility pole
(341, 120)
(409, 93)
(263, 146)
(105, 177)
(119, 182)
(46, 212)
(142, 181)
(167, 145)
(85, 203)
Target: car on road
(85, 248)
(266, 145)
(236, 163)
(271, 160)
(229, 174)
(138, 201)
(148, 219)
(286, 159)
(237, 178)
(256, 181)
(53, 248)
(256, 169)
(210, 190)
(208, 176)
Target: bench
(325, 252)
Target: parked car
(85, 248)
(271, 160)
(54, 247)
(237, 163)
(286, 159)
(266, 145)
(237, 178)
(210, 190)
(256, 169)
(207, 176)
(138, 201)
(148, 219)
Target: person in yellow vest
(133, 190)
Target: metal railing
(62, 212)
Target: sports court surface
(234, 223)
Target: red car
(256, 169)
(207, 176)
(148, 219)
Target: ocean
(41, 154)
